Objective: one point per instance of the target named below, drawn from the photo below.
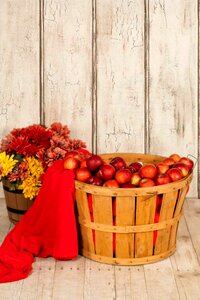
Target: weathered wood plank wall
(68, 65)
(122, 74)
(173, 78)
(19, 64)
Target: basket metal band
(130, 229)
(16, 211)
(14, 191)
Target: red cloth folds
(47, 229)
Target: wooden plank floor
(177, 277)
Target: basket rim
(150, 191)
(138, 155)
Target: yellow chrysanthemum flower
(31, 185)
(7, 163)
(35, 167)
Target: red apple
(187, 161)
(162, 168)
(112, 183)
(168, 161)
(118, 163)
(148, 171)
(133, 170)
(175, 174)
(94, 162)
(71, 163)
(175, 157)
(128, 186)
(83, 163)
(182, 167)
(146, 182)
(98, 174)
(136, 165)
(106, 172)
(83, 174)
(95, 180)
(123, 176)
(135, 178)
(74, 154)
(162, 179)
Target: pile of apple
(93, 170)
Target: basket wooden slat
(145, 214)
(178, 210)
(166, 213)
(84, 214)
(129, 237)
(129, 229)
(102, 208)
(16, 203)
(125, 211)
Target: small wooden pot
(17, 204)
(129, 236)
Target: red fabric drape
(47, 229)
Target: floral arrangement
(26, 153)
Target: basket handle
(196, 159)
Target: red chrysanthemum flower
(45, 144)
(60, 129)
(27, 141)
(5, 143)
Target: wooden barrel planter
(121, 226)
(16, 203)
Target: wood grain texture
(42, 280)
(84, 215)
(68, 65)
(185, 262)
(99, 281)
(125, 212)
(65, 285)
(177, 277)
(166, 213)
(120, 76)
(145, 214)
(103, 240)
(178, 209)
(192, 213)
(173, 70)
(19, 64)
(82, 63)
(130, 281)
(157, 273)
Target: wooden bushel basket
(129, 238)
(16, 203)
